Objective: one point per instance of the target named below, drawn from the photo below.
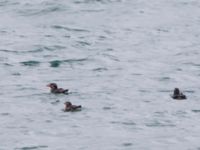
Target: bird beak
(48, 85)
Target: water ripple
(57, 63)
(5, 114)
(32, 147)
(156, 123)
(127, 144)
(43, 11)
(100, 69)
(41, 48)
(30, 63)
(196, 110)
(95, 1)
(8, 3)
(9, 51)
(69, 29)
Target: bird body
(54, 89)
(70, 107)
(178, 95)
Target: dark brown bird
(178, 95)
(70, 107)
(54, 89)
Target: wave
(69, 29)
(53, 63)
(95, 1)
(30, 63)
(57, 63)
(100, 69)
(45, 9)
(37, 49)
(32, 147)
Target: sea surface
(120, 59)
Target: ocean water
(121, 60)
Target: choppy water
(120, 59)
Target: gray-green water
(121, 59)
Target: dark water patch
(67, 36)
(192, 64)
(107, 108)
(86, 1)
(44, 11)
(16, 74)
(8, 51)
(8, 3)
(179, 54)
(102, 38)
(55, 102)
(83, 43)
(55, 63)
(69, 29)
(57, 47)
(18, 85)
(3, 3)
(7, 64)
(111, 57)
(75, 60)
(157, 123)
(30, 63)
(162, 30)
(95, 1)
(48, 35)
(5, 114)
(179, 69)
(32, 147)
(26, 51)
(164, 79)
(30, 120)
(127, 123)
(115, 122)
(22, 36)
(141, 11)
(127, 144)
(109, 49)
(48, 121)
(100, 69)
(3, 31)
(38, 50)
(93, 10)
(75, 126)
(41, 48)
(196, 110)
(144, 91)
(136, 74)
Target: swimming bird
(178, 95)
(70, 107)
(54, 89)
